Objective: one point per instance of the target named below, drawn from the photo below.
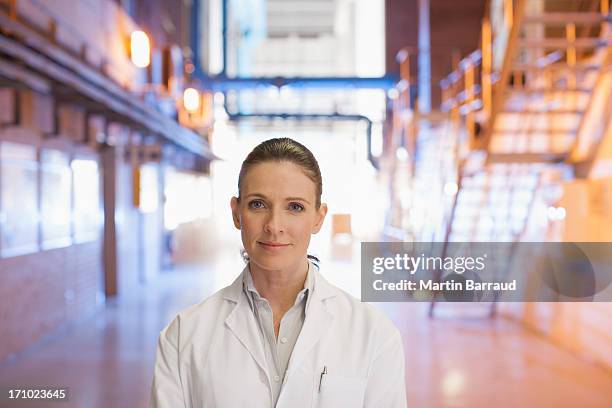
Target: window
(18, 199)
(56, 187)
(86, 193)
(188, 198)
(149, 188)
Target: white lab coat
(212, 355)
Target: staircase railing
(476, 86)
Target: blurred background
(123, 124)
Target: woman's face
(277, 214)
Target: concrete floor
(106, 360)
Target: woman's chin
(270, 261)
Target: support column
(109, 168)
(424, 58)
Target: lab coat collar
(318, 319)
(322, 288)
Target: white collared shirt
(278, 350)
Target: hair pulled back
(284, 150)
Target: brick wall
(44, 290)
(40, 292)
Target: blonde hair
(284, 150)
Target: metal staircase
(517, 109)
(523, 110)
(553, 62)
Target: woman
(280, 335)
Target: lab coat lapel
(318, 320)
(242, 324)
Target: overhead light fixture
(393, 93)
(191, 99)
(451, 188)
(401, 154)
(140, 49)
(556, 213)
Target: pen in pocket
(321, 377)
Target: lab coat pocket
(339, 391)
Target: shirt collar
(252, 294)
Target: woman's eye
(296, 207)
(256, 204)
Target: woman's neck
(279, 286)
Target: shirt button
(276, 378)
(283, 340)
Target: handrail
(585, 165)
(474, 58)
(464, 99)
(479, 65)
(504, 76)
(403, 123)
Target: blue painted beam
(223, 84)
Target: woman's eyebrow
(286, 199)
(297, 199)
(256, 195)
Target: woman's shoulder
(206, 312)
(200, 310)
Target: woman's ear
(235, 212)
(320, 217)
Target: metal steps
(546, 91)
(544, 112)
(552, 131)
(556, 67)
(559, 18)
(526, 157)
(561, 43)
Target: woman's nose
(274, 222)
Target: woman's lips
(272, 246)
